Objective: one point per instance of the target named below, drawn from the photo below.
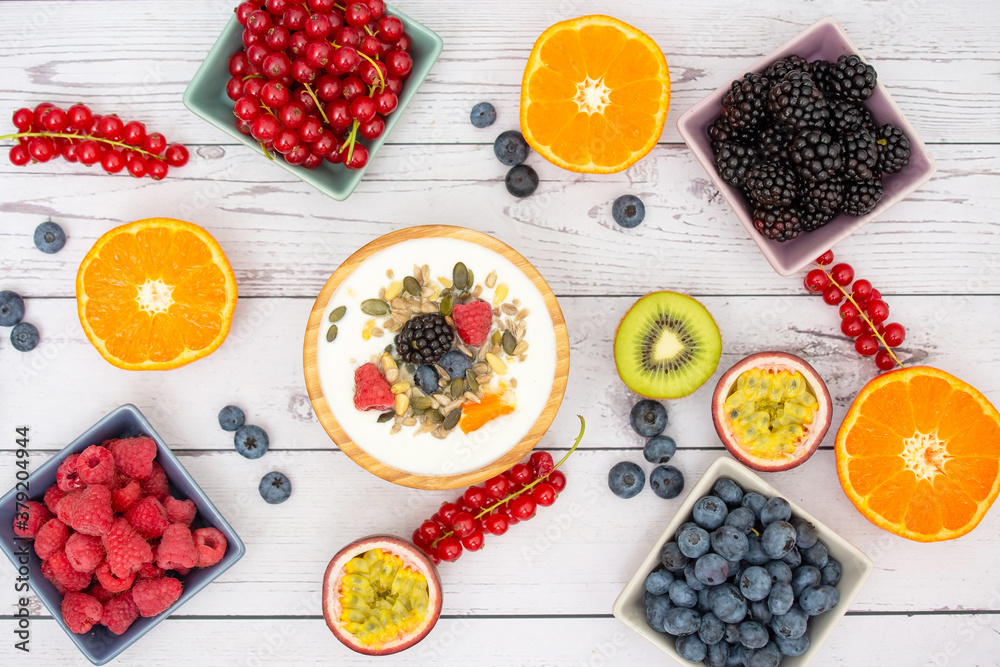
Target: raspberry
(67, 507)
(183, 571)
(125, 497)
(52, 497)
(211, 544)
(50, 574)
(148, 517)
(151, 571)
(92, 514)
(110, 582)
(120, 612)
(157, 483)
(100, 592)
(473, 321)
(51, 538)
(29, 519)
(84, 552)
(69, 578)
(153, 596)
(176, 548)
(371, 391)
(66, 475)
(180, 511)
(134, 456)
(95, 465)
(81, 611)
(127, 551)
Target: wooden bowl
(362, 457)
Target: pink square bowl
(825, 40)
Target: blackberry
(733, 162)
(424, 339)
(861, 197)
(779, 68)
(846, 117)
(797, 103)
(860, 155)
(745, 105)
(778, 224)
(771, 184)
(816, 155)
(813, 220)
(721, 131)
(893, 148)
(826, 197)
(773, 142)
(849, 78)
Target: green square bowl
(206, 97)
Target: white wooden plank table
(540, 595)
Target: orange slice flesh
(477, 415)
(155, 294)
(595, 95)
(919, 454)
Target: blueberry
(251, 441)
(659, 449)
(648, 418)
(455, 363)
(730, 543)
(672, 558)
(628, 211)
(775, 509)
(691, 648)
(658, 582)
(732, 633)
(760, 612)
(755, 584)
(692, 579)
(483, 115)
(781, 598)
(805, 576)
(694, 541)
(793, 558)
(426, 378)
(778, 539)
(511, 148)
(727, 603)
(11, 308)
(231, 418)
(49, 238)
(831, 572)
(711, 630)
(681, 621)
(742, 519)
(816, 555)
(819, 599)
(753, 635)
(791, 624)
(626, 479)
(738, 654)
(711, 570)
(717, 655)
(681, 528)
(657, 607)
(805, 533)
(703, 605)
(729, 491)
(779, 571)
(274, 488)
(769, 656)
(682, 595)
(754, 501)
(792, 647)
(24, 337)
(666, 481)
(755, 552)
(521, 180)
(709, 512)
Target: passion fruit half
(771, 411)
(381, 595)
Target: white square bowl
(630, 606)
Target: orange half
(919, 454)
(155, 294)
(595, 95)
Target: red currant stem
(380, 77)
(861, 312)
(339, 6)
(316, 100)
(369, 31)
(84, 137)
(486, 510)
(264, 148)
(253, 76)
(351, 140)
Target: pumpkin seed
(457, 387)
(472, 278)
(375, 307)
(337, 313)
(416, 412)
(470, 377)
(422, 402)
(411, 285)
(386, 416)
(451, 421)
(388, 348)
(460, 276)
(509, 342)
(331, 333)
(446, 305)
(464, 295)
(434, 416)
(496, 338)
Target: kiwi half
(667, 345)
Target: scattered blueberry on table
(24, 337)
(521, 181)
(275, 488)
(251, 441)
(49, 238)
(231, 418)
(11, 308)
(511, 148)
(483, 115)
(648, 418)
(626, 479)
(628, 211)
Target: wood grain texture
(329, 422)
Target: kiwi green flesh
(667, 345)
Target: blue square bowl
(206, 97)
(100, 645)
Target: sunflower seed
(472, 397)
(443, 373)
(523, 314)
(470, 377)
(396, 428)
(484, 379)
(520, 349)
(422, 402)
(509, 342)
(457, 387)
(451, 421)
(390, 274)
(427, 292)
(337, 313)
(513, 383)
(418, 276)
(426, 427)
(409, 421)
(331, 333)
(481, 368)
(508, 309)
(446, 305)
(460, 276)
(478, 291)
(375, 307)
(442, 400)
(491, 279)
(496, 350)
(377, 332)
(386, 416)
(497, 364)
(411, 285)
(439, 433)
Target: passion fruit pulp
(381, 595)
(771, 411)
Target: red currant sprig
(862, 314)
(502, 501)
